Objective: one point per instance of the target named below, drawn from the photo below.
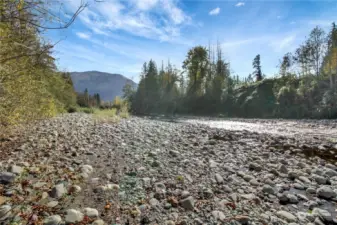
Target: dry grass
(106, 116)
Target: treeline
(304, 87)
(31, 87)
(91, 103)
(86, 100)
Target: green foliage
(86, 100)
(72, 109)
(305, 87)
(157, 92)
(30, 85)
(86, 110)
(128, 93)
(257, 66)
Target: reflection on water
(315, 128)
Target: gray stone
(5, 212)
(167, 206)
(283, 198)
(302, 216)
(330, 173)
(248, 196)
(299, 186)
(254, 182)
(187, 203)
(233, 197)
(292, 198)
(325, 192)
(90, 212)
(268, 189)
(286, 216)
(39, 184)
(218, 215)
(7, 178)
(219, 178)
(52, 220)
(324, 215)
(311, 190)
(52, 204)
(87, 169)
(146, 182)
(227, 189)
(98, 222)
(248, 178)
(302, 197)
(207, 193)
(75, 189)
(283, 169)
(317, 171)
(174, 153)
(73, 216)
(15, 169)
(255, 166)
(318, 221)
(58, 191)
(304, 179)
(293, 175)
(170, 222)
(213, 164)
(153, 202)
(242, 219)
(185, 194)
(198, 221)
(319, 179)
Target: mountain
(106, 84)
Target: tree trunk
(331, 76)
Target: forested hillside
(31, 87)
(107, 85)
(305, 86)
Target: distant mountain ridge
(106, 84)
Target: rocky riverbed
(75, 170)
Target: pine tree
(316, 44)
(86, 97)
(257, 66)
(285, 64)
(196, 65)
(329, 65)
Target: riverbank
(73, 169)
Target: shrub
(87, 110)
(117, 103)
(72, 109)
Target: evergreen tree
(151, 87)
(86, 97)
(329, 65)
(257, 66)
(316, 43)
(196, 64)
(285, 64)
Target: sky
(118, 36)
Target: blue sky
(118, 36)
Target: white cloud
(238, 43)
(215, 11)
(239, 4)
(279, 17)
(283, 44)
(83, 35)
(145, 4)
(153, 19)
(287, 41)
(322, 23)
(174, 12)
